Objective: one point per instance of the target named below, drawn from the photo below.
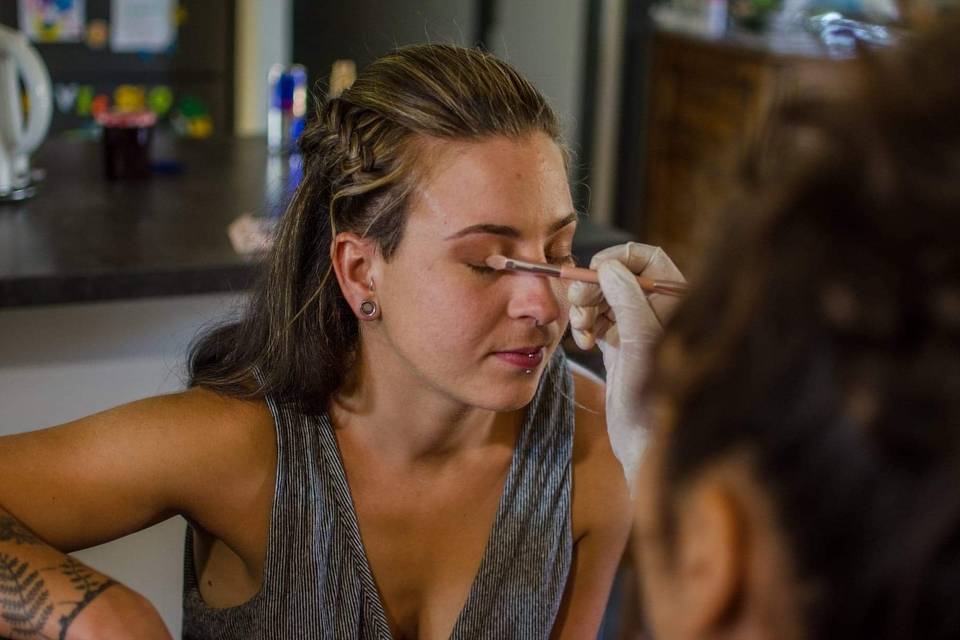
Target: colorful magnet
(130, 97)
(160, 99)
(100, 104)
(65, 96)
(84, 100)
(97, 33)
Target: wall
(59, 363)
(263, 38)
(544, 39)
(363, 30)
(603, 173)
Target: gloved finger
(583, 294)
(583, 317)
(652, 262)
(620, 252)
(663, 306)
(584, 339)
(661, 267)
(635, 255)
(602, 328)
(633, 312)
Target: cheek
(441, 306)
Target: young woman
(803, 476)
(390, 442)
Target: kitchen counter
(82, 238)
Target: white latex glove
(624, 322)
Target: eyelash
(485, 270)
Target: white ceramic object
(20, 62)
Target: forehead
(520, 182)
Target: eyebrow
(508, 231)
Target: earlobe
(711, 557)
(355, 261)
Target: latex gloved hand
(624, 322)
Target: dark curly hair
(822, 337)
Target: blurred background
(146, 149)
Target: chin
(502, 396)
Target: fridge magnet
(97, 33)
(52, 20)
(142, 26)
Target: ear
(356, 262)
(710, 556)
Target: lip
(522, 357)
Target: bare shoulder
(600, 496)
(196, 453)
(230, 426)
(186, 428)
(228, 443)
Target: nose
(534, 297)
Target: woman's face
(475, 335)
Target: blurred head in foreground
(804, 476)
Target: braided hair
(363, 153)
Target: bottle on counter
(287, 107)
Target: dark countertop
(82, 238)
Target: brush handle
(665, 287)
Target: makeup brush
(502, 263)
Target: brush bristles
(497, 262)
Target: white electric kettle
(19, 61)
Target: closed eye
(481, 268)
(568, 259)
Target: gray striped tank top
(317, 582)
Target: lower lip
(522, 360)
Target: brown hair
(822, 338)
(360, 163)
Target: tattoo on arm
(25, 600)
(90, 585)
(12, 531)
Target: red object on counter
(126, 143)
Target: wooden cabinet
(707, 98)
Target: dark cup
(126, 144)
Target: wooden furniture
(707, 98)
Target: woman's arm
(601, 517)
(107, 475)
(43, 593)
